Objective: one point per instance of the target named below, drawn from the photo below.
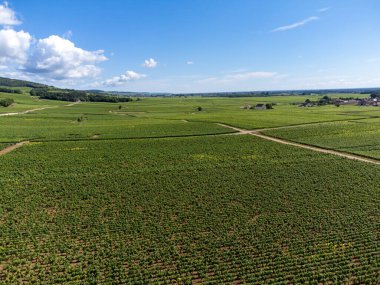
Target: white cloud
(8, 16)
(11, 73)
(150, 63)
(322, 10)
(295, 25)
(123, 79)
(59, 58)
(14, 46)
(189, 62)
(50, 59)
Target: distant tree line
(8, 90)
(19, 83)
(281, 93)
(349, 98)
(6, 102)
(325, 100)
(75, 95)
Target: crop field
(25, 102)
(3, 145)
(155, 192)
(43, 126)
(157, 117)
(185, 211)
(228, 111)
(355, 136)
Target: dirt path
(36, 109)
(257, 133)
(240, 131)
(72, 104)
(12, 147)
(24, 112)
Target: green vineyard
(192, 142)
(209, 210)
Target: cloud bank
(14, 46)
(122, 79)
(51, 58)
(59, 58)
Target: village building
(260, 107)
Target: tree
(6, 102)
(199, 109)
(269, 105)
(324, 100)
(327, 98)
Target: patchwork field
(187, 210)
(354, 136)
(155, 192)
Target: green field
(354, 136)
(157, 193)
(158, 117)
(25, 102)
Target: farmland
(354, 136)
(157, 117)
(155, 192)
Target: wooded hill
(52, 93)
(19, 83)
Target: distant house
(351, 102)
(260, 107)
(339, 101)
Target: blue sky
(192, 45)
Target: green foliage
(75, 95)
(269, 105)
(18, 83)
(8, 90)
(104, 201)
(6, 102)
(197, 210)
